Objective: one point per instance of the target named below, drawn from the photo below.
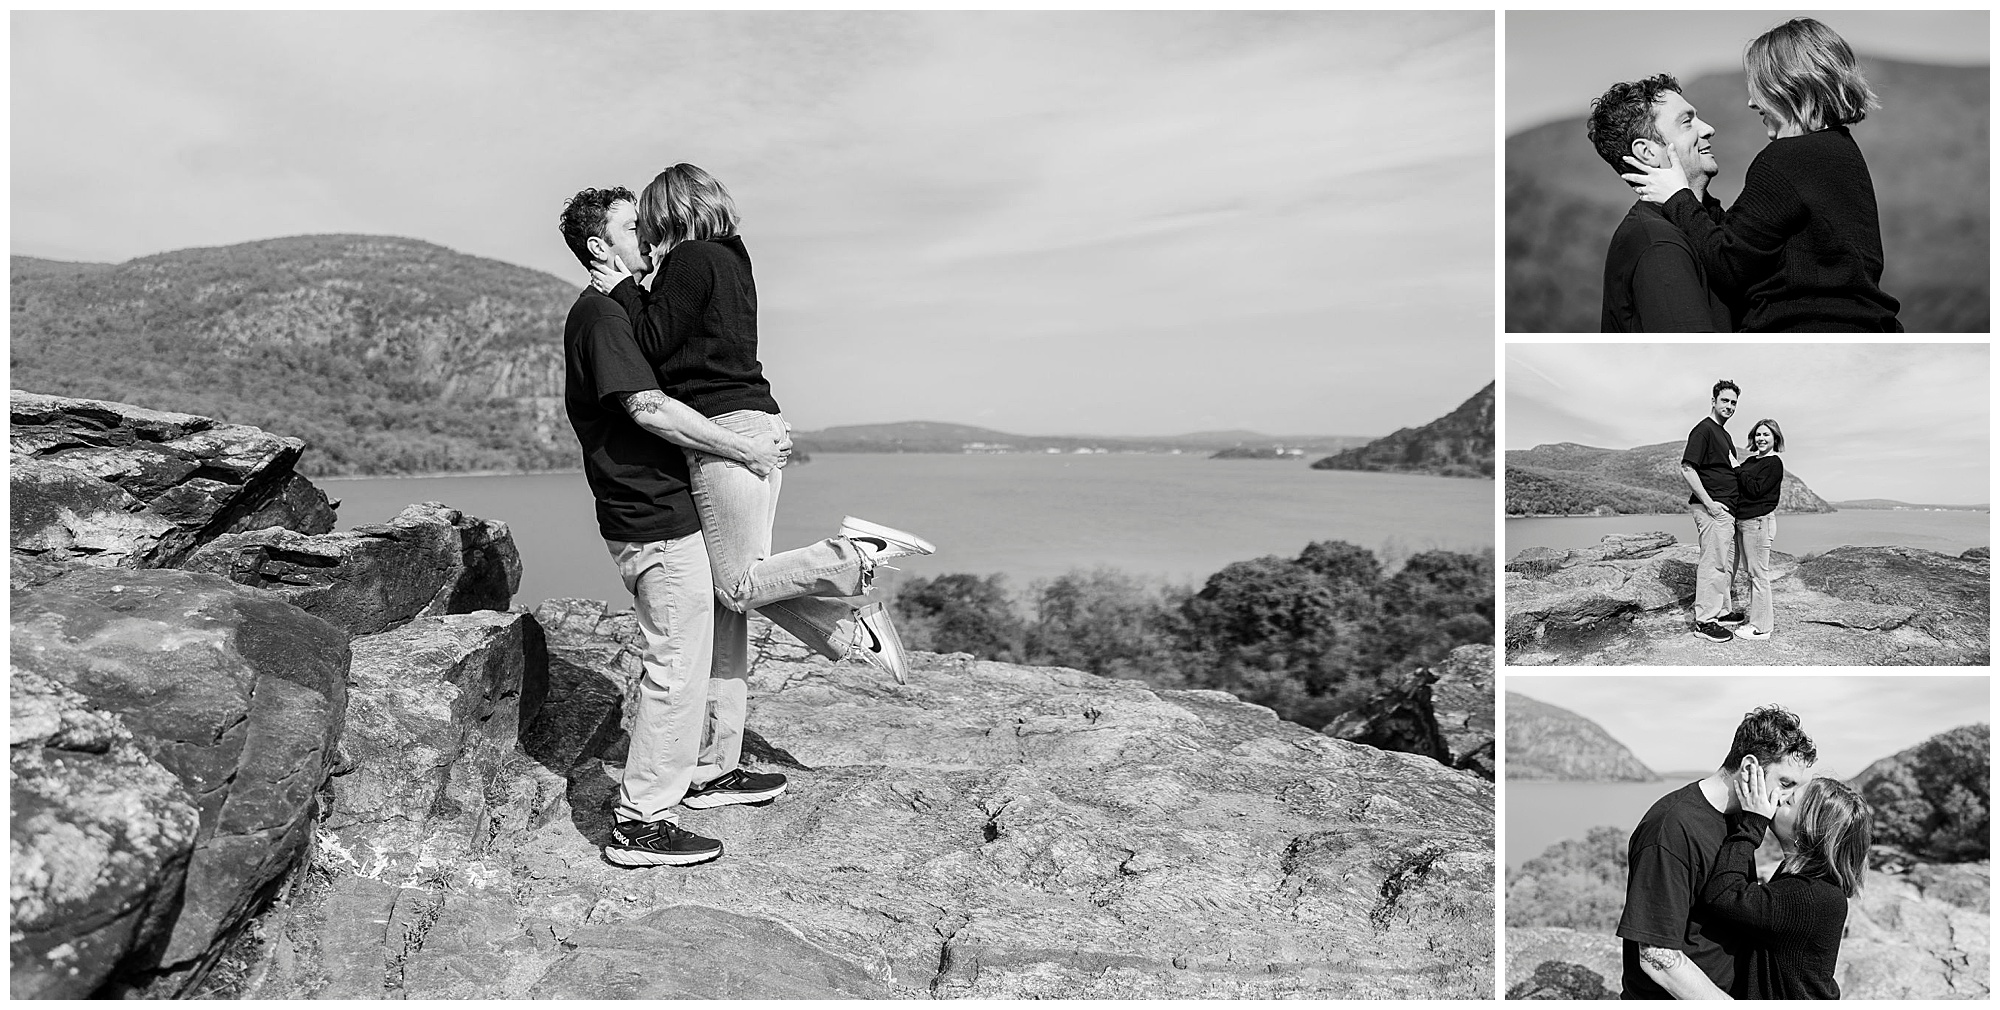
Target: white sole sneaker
(723, 799)
(876, 641)
(1750, 634)
(884, 541)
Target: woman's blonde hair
(1830, 834)
(1804, 73)
(683, 204)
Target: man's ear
(599, 249)
(1648, 152)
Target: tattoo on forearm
(1661, 958)
(644, 401)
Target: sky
(1042, 223)
(1557, 61)
(1681, 724)
(1901, 421)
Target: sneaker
(736, 786)
(1712, 631)
(876, 641)
(883, 542)
(1750, 634)
(1732, 619)
(658, 843)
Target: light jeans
(800, 590)
(678, 704)
(1717, 565)
(1754, 538)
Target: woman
(698, 326)
(1802, 248)
(1760, 480)
(1790, 928)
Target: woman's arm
(1749, 245)
(1732, 889)
(1758, 476)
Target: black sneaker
(658, 843)
(1712, 631)
(1732, 619)
(737, 786)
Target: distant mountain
(1891, 503)
(1927, 152)
(1547, 743)
(937, 436)
(1565, 478)
(1459, 444)
(388, 355)
(1933, 800)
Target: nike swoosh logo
(880, 544)
(874, 642)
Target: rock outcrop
(1626, 601)
(428, 560)
(1459, 444)
(1933, 801)
(116, 485)
(989, 831)
(1547, 743)
(236, 694)
(1444, 713)
(1570, 479)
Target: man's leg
(674, 602)
(1718, 558)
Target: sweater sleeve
(1667, 293)
(1760, 477)
(1749, 245)
(1732, 889)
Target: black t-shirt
(1654, 282)
(1672, 853)
(1708, 452)
(638, 478)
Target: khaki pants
(1717, 566)
(678, 704)
(1754, 538)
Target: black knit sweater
(1790, 927)
(1760, 482)
(698, 327)
(1802, 247)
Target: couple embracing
(1701, 919)
(1734, 504)
(1801, 249)
(684, 449)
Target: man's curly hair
(1623, 114)
(1769, 734)
(583, 217)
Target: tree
(960, 613)
(1104, 622)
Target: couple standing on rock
(1734, 504)
(1701, 920)
(683, 448)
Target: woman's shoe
(882, 542)
(876, 641)
(1751, 634)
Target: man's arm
(1676, 974)
(684, 426)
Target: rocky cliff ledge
(328, 765)
(1627, 599)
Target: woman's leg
(737, 509)
(1758, 537)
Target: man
(1653, 281)
(631, 434)
(1674, 949)
(1708, 466)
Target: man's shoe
(876, 641)
(882, 542)
(737, 786)
(1750, 634)
(1732, 619)
(658, 843)
(1712, 631)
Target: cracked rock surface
(987, 831)
(1628, 601)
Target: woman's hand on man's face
(1753, 793)
(1656, 185)
(608, 274)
